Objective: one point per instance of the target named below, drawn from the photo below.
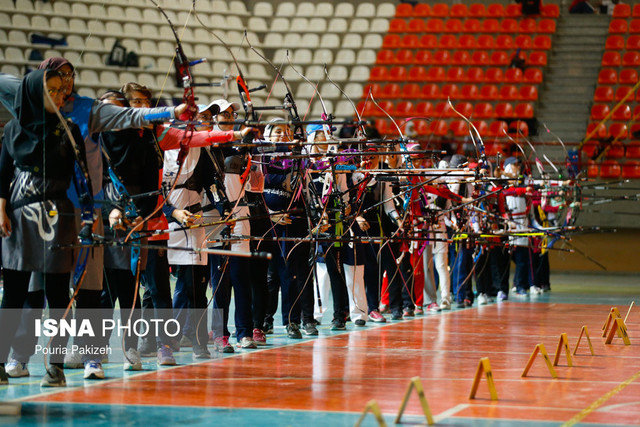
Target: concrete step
(571, 81)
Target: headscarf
(54, 63)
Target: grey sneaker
(54, 377)
(147, 347)
(201, 352)
(293, 331)
(360, 322)
(310, 329)
(165, 356)
(15, 369)
(132, 360)
(73, 360)
(185, 341)
(246, 342)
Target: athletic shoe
(535, 290)
(268, 327)
(147, 347)
(185, 341)
(15, 369)
(360, 323)
(132, 360)
(54, 377)
(460, 304)
(521, 292)
(165, 356)
(384, 308)
(93, 370)
(338, 325)
(310, 329)
(467, 303)
(4, 379)
(105, 359)
(445, 304)
(433, 307)
(545, 288)
(419, 311)
(222, 345)
(200, 352)
(174, 344)
(259, 337)
(376, 317)
(514, 290)
(73, 361)
(407, 312)
(293, 331)
(502, 296)
(316, 322)
(246, 342)
(396, 315)
(482, 299)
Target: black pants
(24, 343)
(16, 288)
(156, 301)
(260, 225)
(541, 272)
(120, 285)
(484, 283)
(333, 260)
(190, 302)
(500, 261)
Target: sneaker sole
(311, 333)
(26, 374)
(46, 385)
(167, 363)
(94, 377)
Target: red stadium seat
(397, 25)
(397, 74)
(449, 90)
(389, 91)
(513, 75)
(519, 125)
(453, 25)
(614, 43)
(495, 10)
(504, 42)
(385, 56)
(365, 109)
(429, 41)
(464, 108)
(436, 74)
(490, 25)
(636, 11)
(617, 26)
(483, 110)
(391, 41)
(467, 41)
(509, 93)
(378, 74)
(383, 126)
(482, 126)
(404, 109)
(448, 41)
(622, 11)
(421, 127)
(603, 94)
(513, 10)
(497, 128)
(375, 89)
(533, 75)
(475, 74)
(615, 151)
(509, 26)
(589, 148)
(607, 76)
(524, 110)
(622, 113)
(611, 59)
(438, 127)
(593, 169)
(469, 91)
(550, 10)
(416, 25)
(504, 110)
(486, 41)
(489, 92)
(431, 91)
(600, 130)
(631, 59)
(628, 76)
(634, 26)
(461, 57)
(542, 42)
(384, 105)
(404, 10)
(459, 127)
(456, 74)
(424, 109)
(410, 91)
(440, 10)
(618, 130)
(410, 41)
(537, 58)
(523, 42)
(528, 25)
(547, 26)
(423, 57)
(633, 42)
(500, 57)
(636, 111)
(404, 57)
(631, 170)
(417, 74)
(633, 150)
(459, 10)
(599, 111)
(610, 169)
(441, 57)
(471, 25)
(480, 57)
(529, 93)
(477, 10)
(434, 25)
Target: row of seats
(476, 10)
(458, 57)
(607, 94)
(466, 41)
(623, 10)
(617, 130)
(472, 25)
(610, 169)
(452, 90)
(622, 113)
(609, 76)
(481, 110)
(617, 42)
(488, 75)
(380, 73)
(615, 59)
(324, 9)
(620, 26)
(617, 150)
(320, 25)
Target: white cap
(221, 105)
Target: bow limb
(326, 115)
(478, 142)
(353, 105)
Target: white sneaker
(73, 360)
(15, 369)
(93, 370)
(132, 360)
(514, 290)
(535, 290)
(482, 299)
(445, 304)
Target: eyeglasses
(228, 115)
(67, 76)
(54, 91)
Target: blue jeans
(190, 302)
(239, 279)
(460, 274)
